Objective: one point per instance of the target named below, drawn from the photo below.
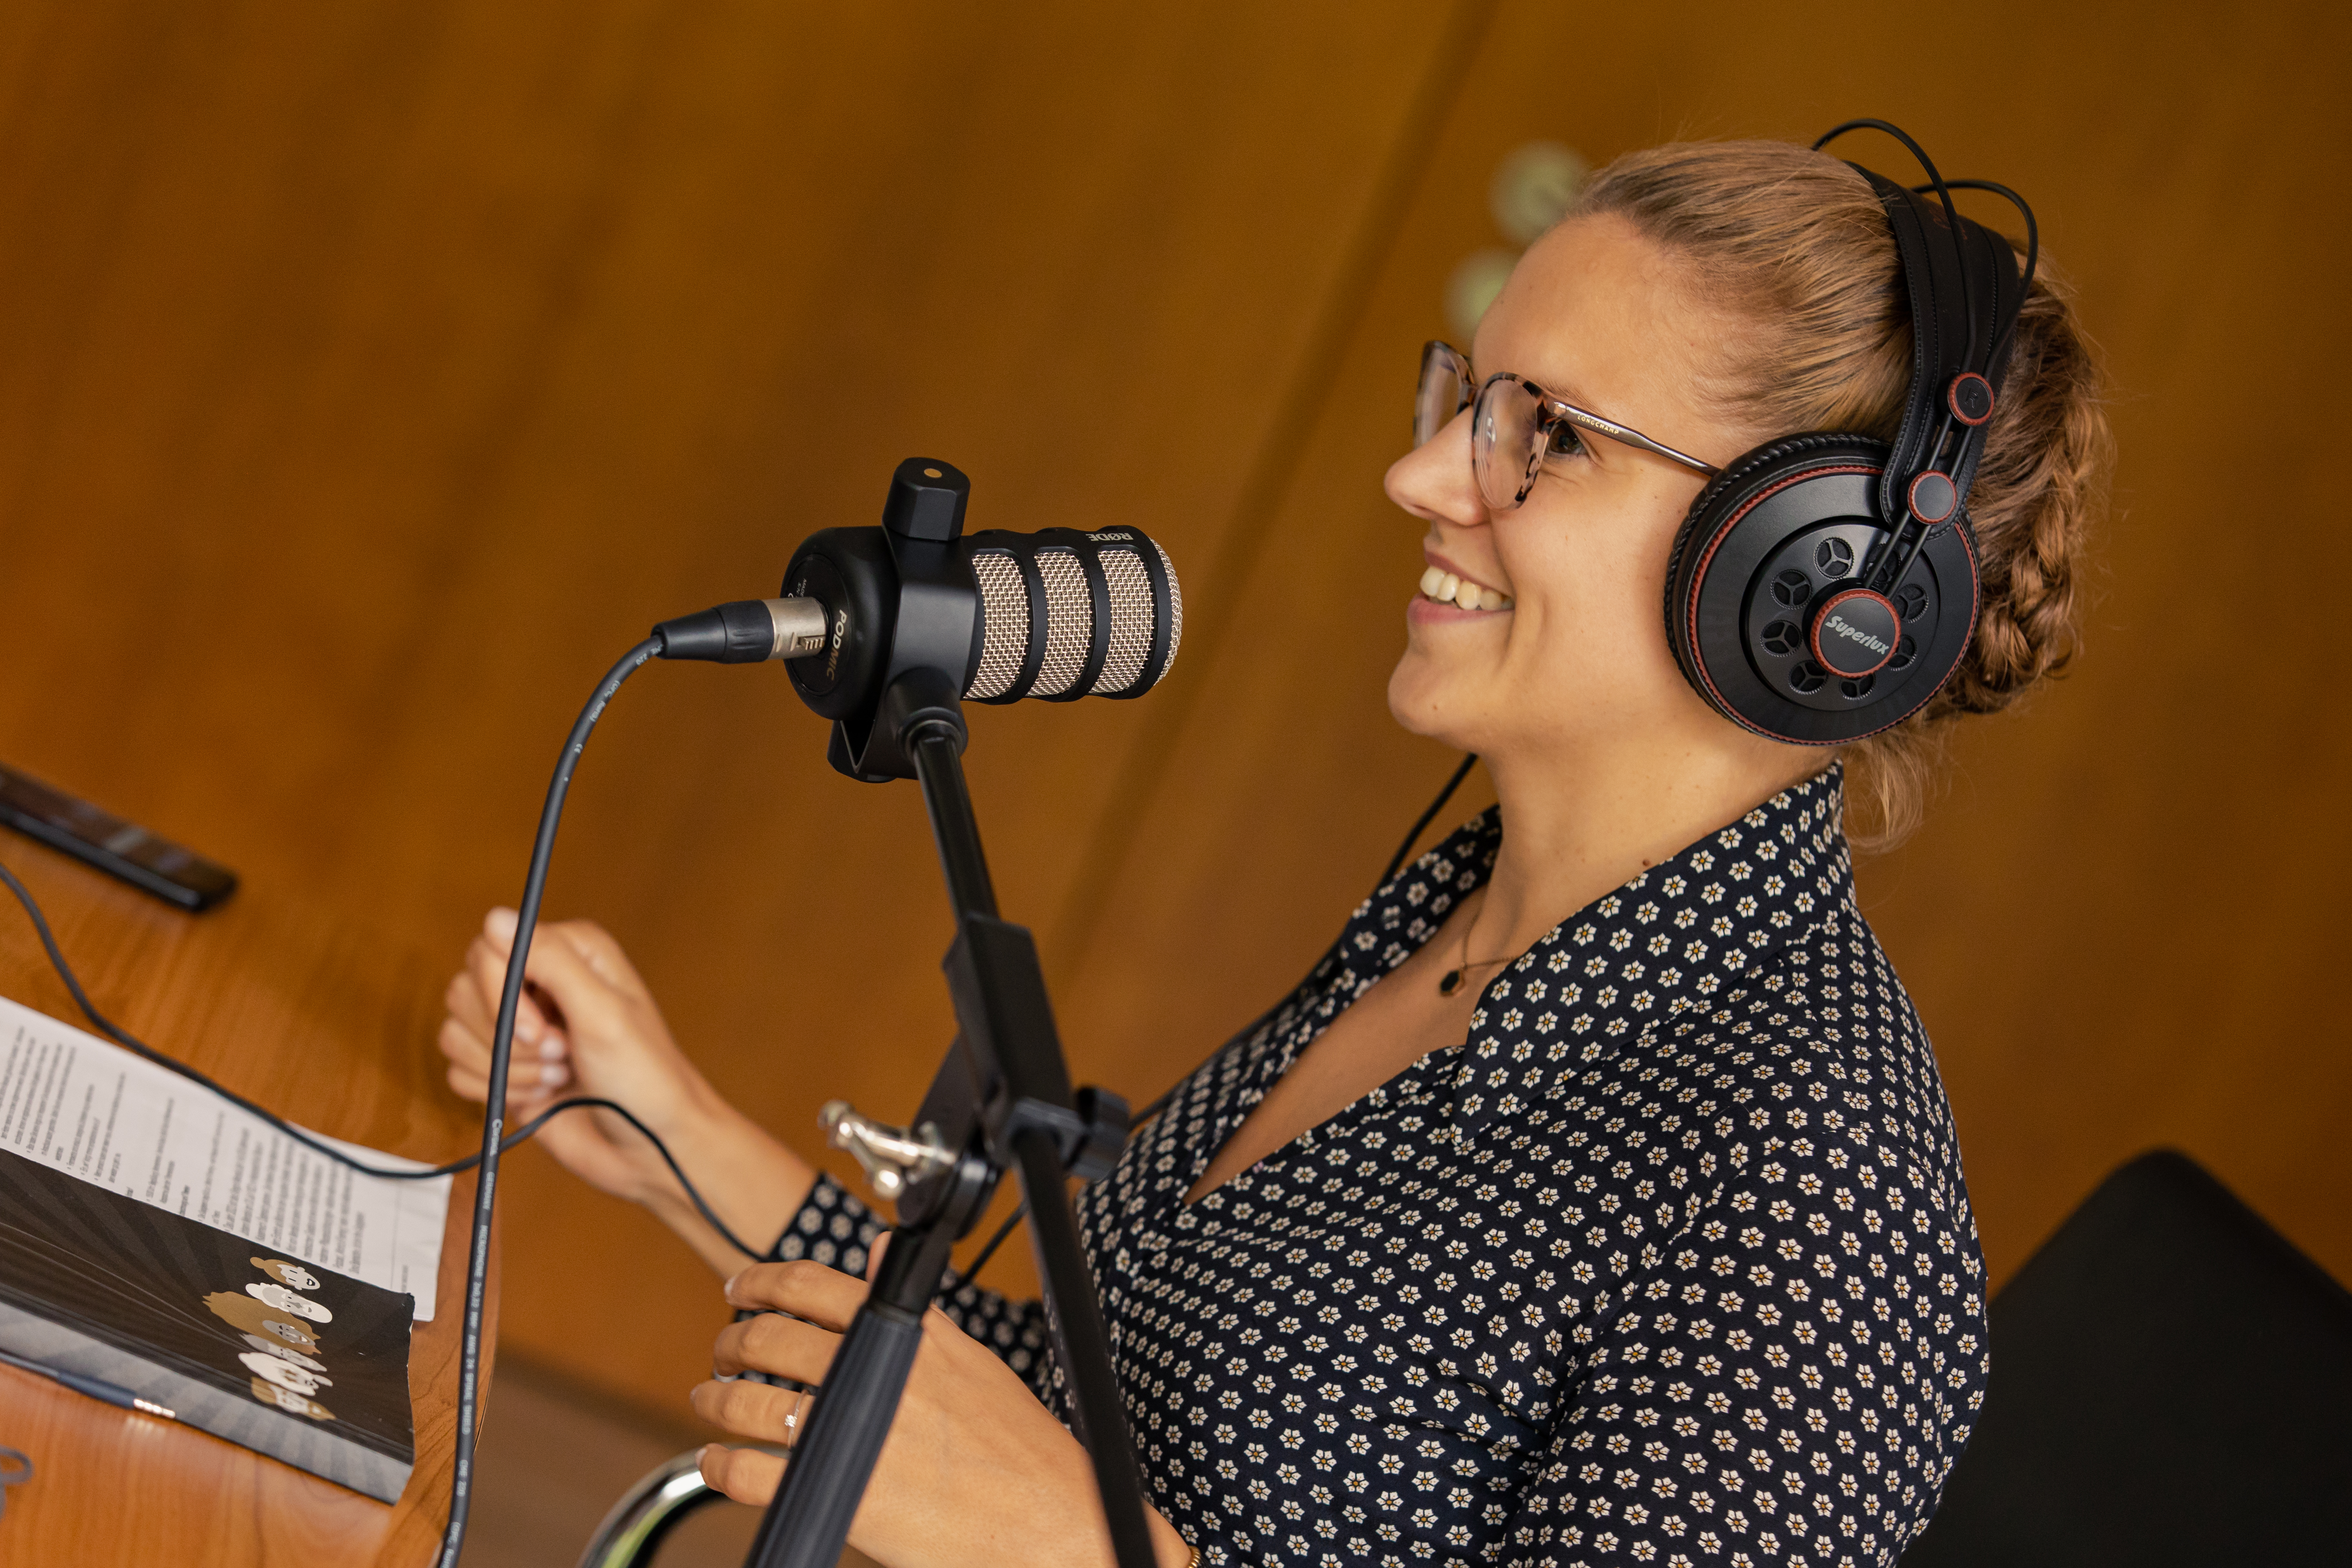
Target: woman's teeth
(1443, 586)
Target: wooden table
(259, 993)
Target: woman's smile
(1448, 595)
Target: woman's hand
(974, 1471)
(587, 1025)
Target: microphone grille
(1069, 622)
(1004, 621)
(1037, 614)
(1130, 620)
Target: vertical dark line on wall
(1209, 607)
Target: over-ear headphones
(1824, 585)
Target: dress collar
(1711, 908)
(1682, 935)
(1671, 939)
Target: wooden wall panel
(2121, 921)
(375, 375)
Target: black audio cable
(124, 1036)
(494, 1140)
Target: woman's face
(1579, 658)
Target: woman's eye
(1567, 441)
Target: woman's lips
(1439, 586)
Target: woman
(1649, 1243)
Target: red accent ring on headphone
(1688, 615)
(1933, 497)
(1969, 397)
(1886, 636)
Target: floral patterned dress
(1670, 1261)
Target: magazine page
(86, 1106)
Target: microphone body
(992, 617)
(1056, 615)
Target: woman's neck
(1574, 828)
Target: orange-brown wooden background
(371, 374)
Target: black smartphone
(154, 865)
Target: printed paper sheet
(89, 1108)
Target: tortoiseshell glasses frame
(1513, 425)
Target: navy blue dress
(1669, 1262)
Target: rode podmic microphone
(985, 617)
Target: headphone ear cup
(1705, 516)
(1769, 549)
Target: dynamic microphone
(991, 617)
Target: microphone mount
(901, 604)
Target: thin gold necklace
(1452, 980)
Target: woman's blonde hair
(1792, 248)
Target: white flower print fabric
(1669, 1262)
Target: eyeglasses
(1515, 426)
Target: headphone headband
(1965, 294)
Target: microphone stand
(1000, 1100)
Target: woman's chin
(1422, 699)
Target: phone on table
(124, 849)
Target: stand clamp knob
(895, 1158)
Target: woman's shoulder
(1813, 1070)
(1804, 1092)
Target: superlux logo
(1839, 625)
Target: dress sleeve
(1759, 1401)
(835, 1229)
(832, 1226)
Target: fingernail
(554, 1075)
(501, 922)
(551, 1048)
(734, 1278)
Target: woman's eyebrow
(1568, 393)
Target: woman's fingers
(520, 1097)
(746, 1474)
(771, 1342)
(754, 1410)
(602, 955)
(804, 1289)
(486, 962)
(470, 1053)
(557, 963)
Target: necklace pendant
(1451, 983)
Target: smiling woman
(1652, 1247)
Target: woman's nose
(1434, 481)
